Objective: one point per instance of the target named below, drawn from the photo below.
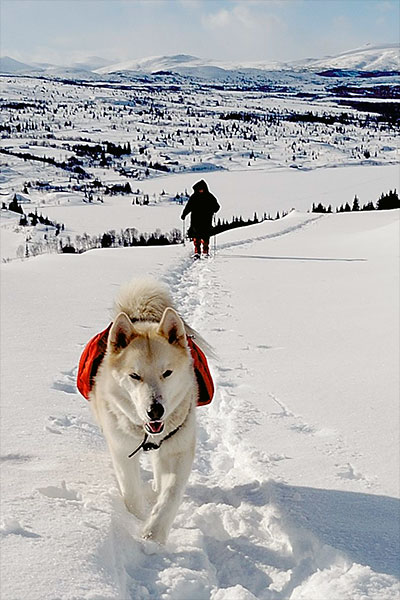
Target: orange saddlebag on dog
(95, 350)
(90, 361)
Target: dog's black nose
(156, 411)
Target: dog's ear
(172, 328)
(121, 333)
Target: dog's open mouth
(154, 427)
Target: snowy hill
(378, 58)
(293, 491)
(375, 58)
(91, 63)
(10, 65)
(183, 63)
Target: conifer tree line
(32, 218)
(224, 225)
(130, 237)
(388, 201)
(125, 238)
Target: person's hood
(200, 185)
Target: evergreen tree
(388, 201)
(356, 204)
(106, 240)
(14, 206)
(368, 206)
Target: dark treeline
(130, 237)
(71, 165)
(224, 225)
(387, 112)
(126, 238)
(326, 118)
(97, 151)
(32, 218)
(388, 201)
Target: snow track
(233, 538)
(242, 532)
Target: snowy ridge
(369, 58)
(374, 58)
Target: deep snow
(294, 492)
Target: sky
(68, 31)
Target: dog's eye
(135, 376)
(167, 374)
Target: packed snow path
(242, 531)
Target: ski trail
(234, 537)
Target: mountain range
(383, 58)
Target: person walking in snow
(202, 206)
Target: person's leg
(197, 245)
(206, 244)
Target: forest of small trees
(126, 238)
(387, 201)
(32, 218)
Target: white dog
(144, 398)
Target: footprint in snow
(13, 527)
(66, 382)
(303, 428)
(15, 458)
(62, 493)
(347, 471)
(59, 425)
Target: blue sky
(65, 31)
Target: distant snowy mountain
(91, 63)
(182, 63)
(73, 72)
(374, 58)
(10, 65)
(370, 58)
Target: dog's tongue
(154, 426)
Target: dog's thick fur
(148, 369)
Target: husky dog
(144, 397)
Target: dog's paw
(154, 534)
(150, 547)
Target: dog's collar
(147, 446)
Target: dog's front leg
(131, 485)
(127, 471)
(171, 474)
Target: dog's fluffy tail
(145, 300)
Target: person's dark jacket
(201, 206)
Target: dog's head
(152, 364)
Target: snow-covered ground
(295, 487)
(294, 492)
(240, 193)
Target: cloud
(240, 15)
(243, 30)
(219, 19)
